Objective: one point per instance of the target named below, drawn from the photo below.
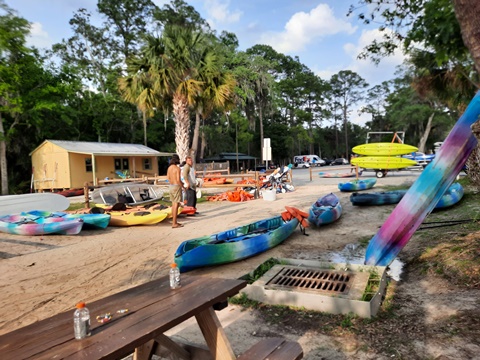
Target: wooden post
(310, 173)
(85, 193)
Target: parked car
(264, 168)
(339, 161)
(420, 158)
(328, 161)
(313, 160)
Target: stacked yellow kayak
(383, 156)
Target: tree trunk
(144, 128)
(473, 161)
(260, 115)
(3, 159)
(423, 139)
(196, 135)
(468, 16)
(203, 145)
(182, 125)
(345, 123)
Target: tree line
(162, 77)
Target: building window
(121, 164)
(147, 164)
(88, 165)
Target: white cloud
(38, 37)
(373, 74)
(219, 12)
(303, 28)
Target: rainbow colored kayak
(90, 221)
(25, 224)
(426, 191)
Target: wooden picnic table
(153, 308)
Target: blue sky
(317, 31)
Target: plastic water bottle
(174, 276)
(81, 321)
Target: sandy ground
(41, 276)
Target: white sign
(267, 150)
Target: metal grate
(311, 280)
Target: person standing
(189, 179)
(175, 188)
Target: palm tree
(168, 72)
(217, 90)
(137, 89)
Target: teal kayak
(235, 244)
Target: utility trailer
(398, 136)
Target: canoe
(128, 193)
(377, 198)
(356, 185)
(426, 191)
(90, 221)
(384, 149)
(24, 224)
(338, 175)
(382, 162)
(71, 192)
(325, 210)
(13, 204)
(235, 244)
(452, 196)
(126, 218)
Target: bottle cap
(80, 305)
(174, 265)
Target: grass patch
(373, 285)
(260, 271)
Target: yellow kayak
(127, 209)
(384, 149)
(131, 218)
(382, 162)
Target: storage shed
(58, 164)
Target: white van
(307, 161)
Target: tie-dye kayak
(358, 184)
(24, 224)
(325, 210)
(426, 191)
(90, 221)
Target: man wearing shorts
(175, 187)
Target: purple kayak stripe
(426, 191)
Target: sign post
(266, 152)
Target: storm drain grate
(311, 280)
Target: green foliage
(261, 270)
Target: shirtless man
(175, 187)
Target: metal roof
(230, 157)
(107, 149)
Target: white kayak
(12, 204)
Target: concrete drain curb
(321, 286)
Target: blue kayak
(358, 184)
(325, 210)
(377, 198)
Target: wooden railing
(162, 180)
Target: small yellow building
(58, 164)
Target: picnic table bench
(153, 308)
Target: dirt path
(41, 276)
